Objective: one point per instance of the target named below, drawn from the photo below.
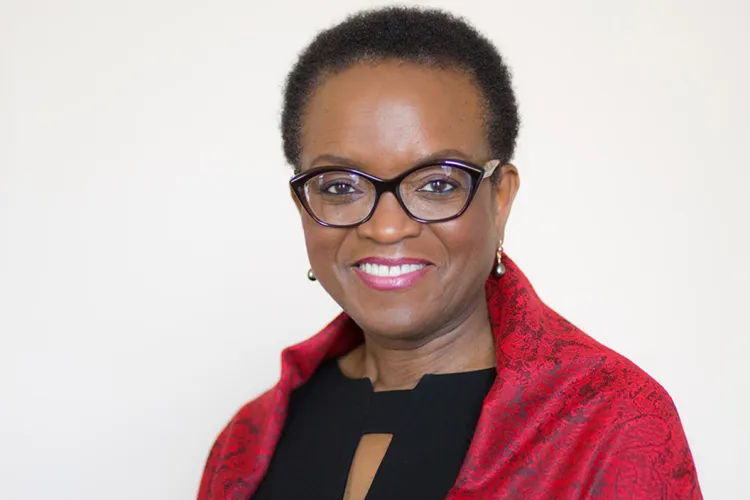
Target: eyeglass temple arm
(490, 167)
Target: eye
(338, 188)
(439, 186)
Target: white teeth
(382, 270)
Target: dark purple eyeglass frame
(477, 174)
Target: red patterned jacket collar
(534, 438)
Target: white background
(152, 263)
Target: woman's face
(384, 119)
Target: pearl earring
(499, 267)
(311, 275)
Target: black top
(432, 427)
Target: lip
(385, 283)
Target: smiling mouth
(382, 270)
(390, 274)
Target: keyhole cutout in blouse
(367, 459)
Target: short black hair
(423, 36)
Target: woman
(446, 376)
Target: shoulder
(595, 368)
(239, 443)
(246, 424)
(249, 419)
(245, 445)
(633, 429)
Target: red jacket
(566, 418)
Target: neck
(466, 347)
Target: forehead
(387, 116)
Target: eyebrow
(443, 154)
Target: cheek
(322, 243)
(470, 239)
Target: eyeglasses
(434, 192)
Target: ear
(505, 193)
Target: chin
(398, 323)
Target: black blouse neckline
(432, 426)
(427, 378)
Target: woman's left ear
(505, 193)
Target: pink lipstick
(390, 274)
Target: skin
(384, 118)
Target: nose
(389, 223)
